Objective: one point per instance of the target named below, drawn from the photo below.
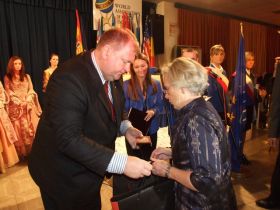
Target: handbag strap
(145, 181)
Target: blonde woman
(251, 99)
(218, 82)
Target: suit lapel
(116, 99)
(104, 99)
(97, 83)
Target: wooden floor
(19, 192)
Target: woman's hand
(162, 153)
(150, 114)
(15, 100)
(161, 167)
(29, 98)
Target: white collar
(220, 68)
(97, 68)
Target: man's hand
(131, 135)
(136, 168)
(162, 153)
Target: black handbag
(158, 195)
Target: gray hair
(187, 73)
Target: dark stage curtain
(33, 29)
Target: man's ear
(106, 51)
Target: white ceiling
(255, 10)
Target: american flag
(148, 42)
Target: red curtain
(205, 29)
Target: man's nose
(127, 67)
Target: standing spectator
(8, 154)
(24, 109)
(54, 59)
(218, 82)
(251, 92)
(191, 53)
(265, 81)
(200, 149)
(251, 98)
(263, 107)
(83, 115)
(145, 94)
(272, 201)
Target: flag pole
(238, 108)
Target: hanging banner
(79, 41)
(117, 13)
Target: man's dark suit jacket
(274, 132)
(75, 137)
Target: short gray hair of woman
(186, 73)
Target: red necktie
(110, 104)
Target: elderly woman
(200, 150)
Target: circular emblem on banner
(105, 6)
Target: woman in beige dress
(54, 59)
(8, 154)
(24, 108)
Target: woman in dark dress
(200, 150)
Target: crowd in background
(186, 85)
(21, 107)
